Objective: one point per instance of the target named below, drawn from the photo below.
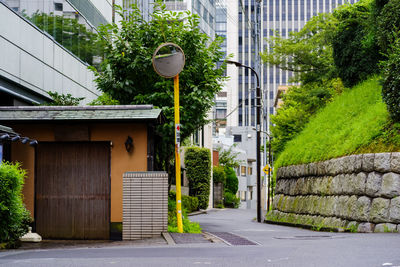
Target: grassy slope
(348, 125)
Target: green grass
(354, 122)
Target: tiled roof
(5, 129)
(79, 113)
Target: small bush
(232, 182)
(230, 200)
(189, 203)
(14, 216)
(188, 226)
(219, 175)
(198, 171)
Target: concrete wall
(359, 193)
(121, 160)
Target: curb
(168, 238)
(197, 212)
(308, 227)
(213, 238)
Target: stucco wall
(359, 193)
(121, 160)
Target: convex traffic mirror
(168, 60)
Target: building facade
(47, 45)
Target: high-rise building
(47, 45)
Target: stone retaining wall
(358, 193)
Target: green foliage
(198, 171)
(351, 121)
(387, 22)
(355, 50)
(228, 158)
(63, 100)
(127, 73)
(299, 104)
(308, 53)
(230, 200)
(232, 182)
(104, 99)
(14, 216)
(391, 84)
(219, 175)
(188, 226)
(189, 203)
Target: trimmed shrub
(14, 216)
(230, 200)
(232, 182)
(219, 175)
(391, 85)
(198, 171)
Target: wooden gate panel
(73, 190)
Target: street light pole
(258, 129)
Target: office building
(47, 45)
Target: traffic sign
(267, 169)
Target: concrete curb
(197, 212)
(309, 227)
(168, 238)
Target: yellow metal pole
(177, 156)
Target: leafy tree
(307, 53)
(104, 99)
(232, 182)
(391, 84)
(387, 22)
(228, 158)
(355, 50)
(219, 175)
(127, 74)
(299, 104)
(63, 100)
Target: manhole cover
(308, 237)
(233, 240)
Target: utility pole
(258, 129)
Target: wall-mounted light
(129, 144)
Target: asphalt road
(275, 246)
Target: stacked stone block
(357, 192)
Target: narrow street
(247, 243)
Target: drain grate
(233, 240)
(188, 238)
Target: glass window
(237, 138)
(243, 170)
(289, 10)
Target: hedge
(198, 171)
(219, 175)
(14, 216)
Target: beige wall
(121, 160)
